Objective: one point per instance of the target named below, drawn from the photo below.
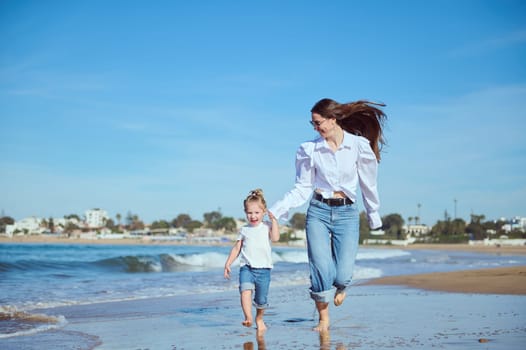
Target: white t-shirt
(256, 251)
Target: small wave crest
(165, 262)
(15, 323)
(132, 263)
(202, 261)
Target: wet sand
(372, 317)
(502, 280)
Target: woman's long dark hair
(362, 118)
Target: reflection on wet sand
(325, 341)
(260, 340)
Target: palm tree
(118, 217)
(410, 219)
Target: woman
(329, 170)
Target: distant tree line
(443, 231)
(213, 220)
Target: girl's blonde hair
(255, 196)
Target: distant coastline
(146, 240)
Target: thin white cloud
(490, 44)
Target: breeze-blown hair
(362, 118)
(255, 196)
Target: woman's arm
(367, 173)
(303, 186)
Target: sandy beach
(471, 309)
(503, 280)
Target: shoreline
(146, 240)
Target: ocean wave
(164, 262)
(292, 256)
(16, 323)
(168, 262)
(131, 263)
(39, 265)
(173, 262)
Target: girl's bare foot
(323, 326)
(261, 326)
(247, 323)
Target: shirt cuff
(375, 221)
(279, 212)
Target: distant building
(417, 230)
(30, 225)
(517, 223)
(96, 218)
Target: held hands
(271, 216)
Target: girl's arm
(234, 253)
(274, 229)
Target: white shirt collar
(321, 143)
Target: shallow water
(41, 276)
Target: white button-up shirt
(318, 167)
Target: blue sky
(167, 107)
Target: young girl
(253, 247)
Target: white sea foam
(361, 273)
(152, 266)
(370, 254)
(210, 259)
(292, 256)
(42, 322)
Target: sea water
(42, 276)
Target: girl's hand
(226, 273)
(271, 216)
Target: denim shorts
(257, 280)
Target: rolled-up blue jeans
(332, 243)
(257, 280)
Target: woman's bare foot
(323, 326)
(339, 297)
(247, 323)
